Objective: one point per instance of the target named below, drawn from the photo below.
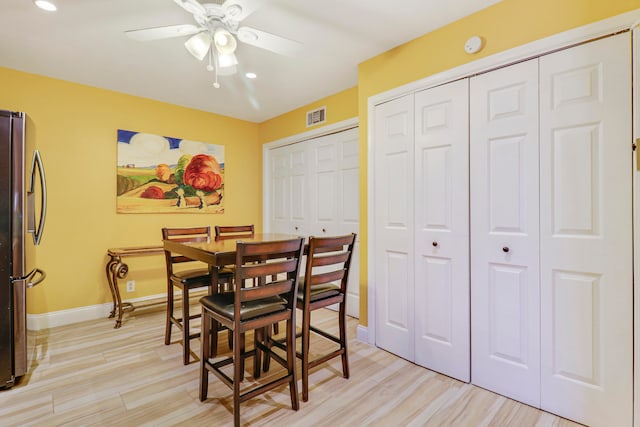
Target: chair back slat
(177, 234)
(233, 231)
(269, 268)
(333, 258)
(328, 277)
(337, 242)
(272, 249)
(271, 289)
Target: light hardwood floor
(91, 374)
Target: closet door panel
(586, 237)
(349, 209)
(335, 210)
(393, 202)
(324, 175)
(504, 232)
(279, 188)
(442, 229)
(299, 189)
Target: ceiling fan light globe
(224, 41)
(227, 60)
(198, 45)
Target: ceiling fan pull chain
(215, 83)
(210, 66)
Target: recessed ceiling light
(251, 75)
(46, 5)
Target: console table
(117, 269)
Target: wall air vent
(316, 117)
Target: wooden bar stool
(197, 277)
(254, 308)
(324, 284)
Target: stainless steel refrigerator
(23, 207)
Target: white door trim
(636, 226)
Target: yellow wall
(75, 127)
(340, 106)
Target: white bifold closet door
(421, 214)
(441, 295)
(393, 207)
(314, 190)
(586, 232)
(552, 304)
(334, 197)
(505, 287)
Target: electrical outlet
(131, 285)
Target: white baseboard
(362, 334)
(37, 322)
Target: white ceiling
(84, 42)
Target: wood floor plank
(92, 374)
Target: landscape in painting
(159, 174)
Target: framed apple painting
(160, 174)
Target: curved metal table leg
(116, 269)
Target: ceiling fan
(218, 26)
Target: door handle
(31, 283)
(37, 163)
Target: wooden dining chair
(237, 232)
(186, 280)
(325, 283)
(254, 308)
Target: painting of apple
(152, 192)
(159, 174)
(203, 173)
(163, 172)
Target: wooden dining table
(222, 251)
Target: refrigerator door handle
(39, 278)
(37, 231)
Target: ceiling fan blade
(157, 33)
(192, 6)
(240, 9)
(268, 41)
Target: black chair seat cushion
(222, 303)
(199, 276)
(318, 292)
(192, 277)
